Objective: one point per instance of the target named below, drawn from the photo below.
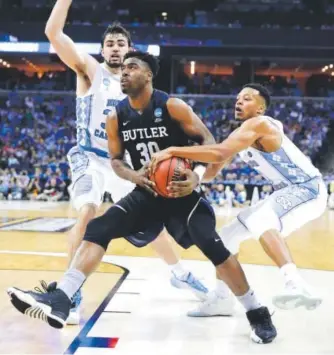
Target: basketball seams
(170, 163)
(157, 186)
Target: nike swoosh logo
(125, 123)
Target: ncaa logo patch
(158, 112)
(106, 82)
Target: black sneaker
(46, 287)
(51, 307)
(263, 329)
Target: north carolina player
(299, 196)
(98, 92)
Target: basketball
(167, 171)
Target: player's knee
(215, 251)
(103, 229)
(87, 212)
(212, 247)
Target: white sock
(290, 273)
(178, 271)
(222, 290)
(71, 282)
(249, 300)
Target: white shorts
(286, 210)
(92, 176)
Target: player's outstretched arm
(249, 132)
(213, 170)
(116, 151)
(81, 63)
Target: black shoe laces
(44, 288)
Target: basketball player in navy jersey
(146, 121)
(98, 92)
(300, 194)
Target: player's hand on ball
(142, 180)
(185, 187)
(158, 158)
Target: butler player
(98, 92)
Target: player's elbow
(115, 164)
(51, 32)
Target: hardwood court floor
(312, 246)
(27, 230)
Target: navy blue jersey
(150, 131)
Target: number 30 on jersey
(146, 151)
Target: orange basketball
(167, 171)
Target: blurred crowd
(317, 85)
(37, 131)
(232, 14)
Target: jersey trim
(97, 151)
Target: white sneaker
(214, 306)
(190, 282)
(296, 295)
(73, 317)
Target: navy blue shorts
(140, 217)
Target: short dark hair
(116, 27)
(264, 92)
(148, 58)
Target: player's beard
(113, 65)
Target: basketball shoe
(263, 330)
(74, 316)
(51, 307)
(190, 282)
(213, 306)
(297, 294)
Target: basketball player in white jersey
(98, 92)
(299, 196)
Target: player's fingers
(149, 182)
(179, 184)
(152, 166)
(180, 193)
(149, 168)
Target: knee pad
(111, 225)
(202, 229)
(213, 248)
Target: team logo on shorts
(284, 202)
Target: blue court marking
(96, 342)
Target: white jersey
(287, 166)
(92, 110)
